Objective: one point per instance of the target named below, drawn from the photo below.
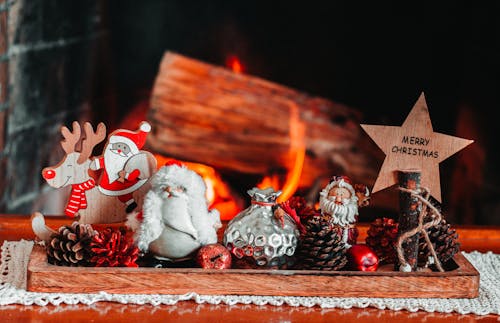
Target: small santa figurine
(117, 179)
(339, 202)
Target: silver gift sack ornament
(262, 235)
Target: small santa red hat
(337, 178)
(134, 139)
(340, 181)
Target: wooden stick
(420, 228)
(409, 210)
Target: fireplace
(98, 61)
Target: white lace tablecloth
(15, 257)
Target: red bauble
(363, 258)
(214, 256)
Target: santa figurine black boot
(131, 207)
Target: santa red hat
(340, 181)
(337, 178)
(134, 139)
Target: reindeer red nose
(48, 173)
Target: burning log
(240, 123)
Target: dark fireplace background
(96, 60)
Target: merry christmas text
(415, 141)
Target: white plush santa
(175, 220)
(115, 179)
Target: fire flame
(234, 63)
(297, 154)
(218, 193)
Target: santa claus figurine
(175, 221)
(121, 174)
(339, 203)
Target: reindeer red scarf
(77, 199)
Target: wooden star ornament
(414, 145)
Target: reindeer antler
(91, 140)
(70, 137)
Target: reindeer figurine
(86, 202)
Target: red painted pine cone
(303, 209)
(113, 248)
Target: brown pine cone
(113, 248)
(69, 246)
(434, 203)
(444, 239)
(321, 247)
(381, 237)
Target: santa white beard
(113, 163)
(175, 214)
(342, 214)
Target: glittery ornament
(213, 256)
(262, 235)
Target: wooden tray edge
(460, 283)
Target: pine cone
(444, 239)
(113, 248)
(381, 237)
(70, 245)
(434, 203)
(321, 247)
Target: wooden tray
(462, 282)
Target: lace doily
(15, 257)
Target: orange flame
(218, 193)
(273, 181)
(296, 152)
(234, 63)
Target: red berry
(362, 258)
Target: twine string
(421, 227)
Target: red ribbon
(263, 203)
